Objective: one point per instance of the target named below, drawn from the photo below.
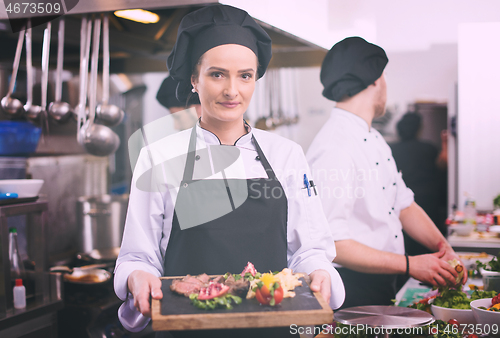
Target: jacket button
(197, 157)
(389, 212)
(365, 140)
(376, 163)
(257, 158)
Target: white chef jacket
(150, 211)
(360, 188)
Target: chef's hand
(451, 255)
(320, 281)
(432, 269)
(142, 285)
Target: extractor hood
(137, 47)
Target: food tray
(9, 201)
(175, 312)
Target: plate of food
(246, 300)
(451, 303)
(470, 258)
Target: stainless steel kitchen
(101, 234)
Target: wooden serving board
(175, 312)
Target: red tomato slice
(264, 297)
(261, 298)
(265, 291)
(278, 295)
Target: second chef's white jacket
(360, 188)
(150, 212)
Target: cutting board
(175, 312)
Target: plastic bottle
(452, 217)
(19, 295)
(16, 264)
(470, 213)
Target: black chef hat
(350, 66)
(209, 27)
(166, 95)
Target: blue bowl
(18, 138)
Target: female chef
(211, 198)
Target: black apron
(367, 289)
(254, 231)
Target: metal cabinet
(44, 298)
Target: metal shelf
(36, 232)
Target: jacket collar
(357, 122)
(210, 138)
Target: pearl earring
(193, 90)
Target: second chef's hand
(320, 281)
(143, 285)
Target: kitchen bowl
(22, 187)
(445, 314)
(489, 320)
(18, 138)
(462, 229)
(491, 280)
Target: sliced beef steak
(237, 287)
(193, 284)
(189, 284)
(204, 278)
(185, 288)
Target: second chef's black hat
(166, 95)
(350, 66)
(209, 27)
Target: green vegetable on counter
(453, 299)
(479, 294)
(456, 299)
(496, 202)
(493, 265)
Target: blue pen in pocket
(306, 185)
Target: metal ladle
(85, 32)
(107, 114)
(32, 112)
(45, 74)
(97, 139)
(58, 110)
(9, 104)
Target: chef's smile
(229, 104)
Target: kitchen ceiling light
(138, 15)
